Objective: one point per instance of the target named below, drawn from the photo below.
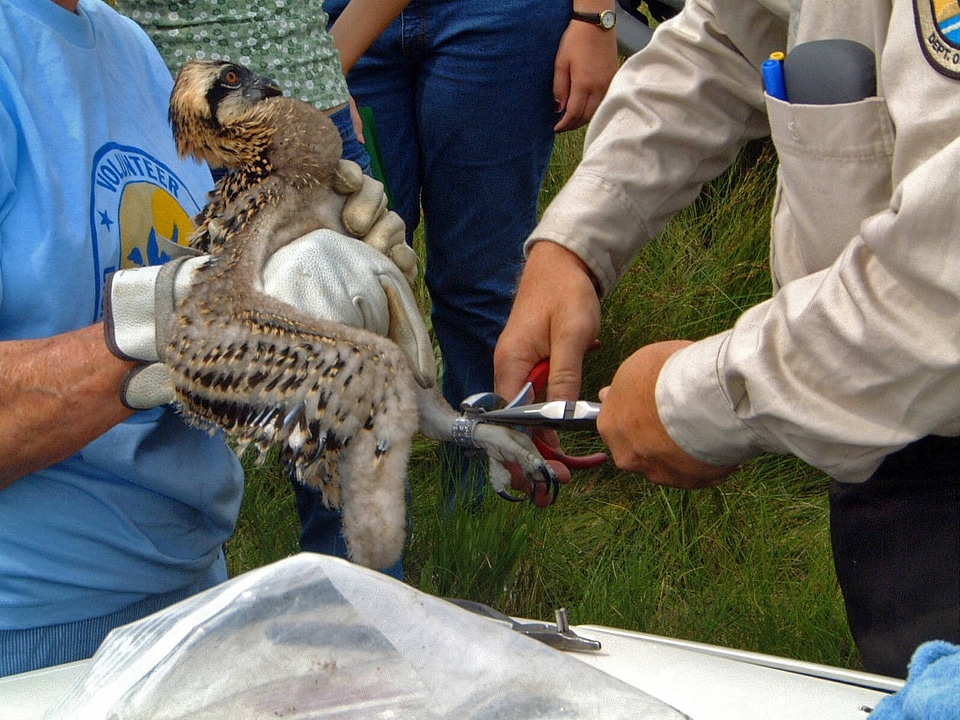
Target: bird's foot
(516, 463)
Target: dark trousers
(896, 547)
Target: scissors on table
(526, 414)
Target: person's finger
(566, 363)
(575, 113)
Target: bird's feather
(340, 403)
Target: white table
(714, 683)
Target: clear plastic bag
(317, 637)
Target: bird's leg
(500, 444)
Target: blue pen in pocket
(773, 80)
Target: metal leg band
(462, 432)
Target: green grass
(745, 565)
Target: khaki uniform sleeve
(844, 366)
(858, 352)
(674, 117)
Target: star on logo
(105, 219)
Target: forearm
(56, 395)
(594, 6)
(841, 367)
(360, 24)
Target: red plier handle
(538, 378)
(535, 389)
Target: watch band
(605, 20)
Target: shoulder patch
(938, 28)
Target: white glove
(365, 216)
(136, 301)
(323, 273)
(337, 278)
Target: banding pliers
(523, 413)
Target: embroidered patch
(938, 27)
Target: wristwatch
(606, 19)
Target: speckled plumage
(340, 403)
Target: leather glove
(334, 277)
(365, 216)
(323, 273)
(136, 301)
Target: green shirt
(286, 40)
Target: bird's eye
(231, 76)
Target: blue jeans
(352, 148)
(462, 94)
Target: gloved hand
(322, 273)
(337, 278)
(365, 216)
(136, 300)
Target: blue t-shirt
(89, 178)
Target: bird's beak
(262, 87)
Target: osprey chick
(235, 119)
(340, 403)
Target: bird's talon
(548, 474)
(550, 479)
(555, 487)
(512, 498)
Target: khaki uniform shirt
(858, 351)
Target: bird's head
(217, 111)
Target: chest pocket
(835, 171)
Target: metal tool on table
(525, 414)
(558, 636)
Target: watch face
(608, 18)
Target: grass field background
(746, 564)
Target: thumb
(511, 371)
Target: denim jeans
(462, 95)
(352, 148)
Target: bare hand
(556, 314)
(631, 428)
(586, 62)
